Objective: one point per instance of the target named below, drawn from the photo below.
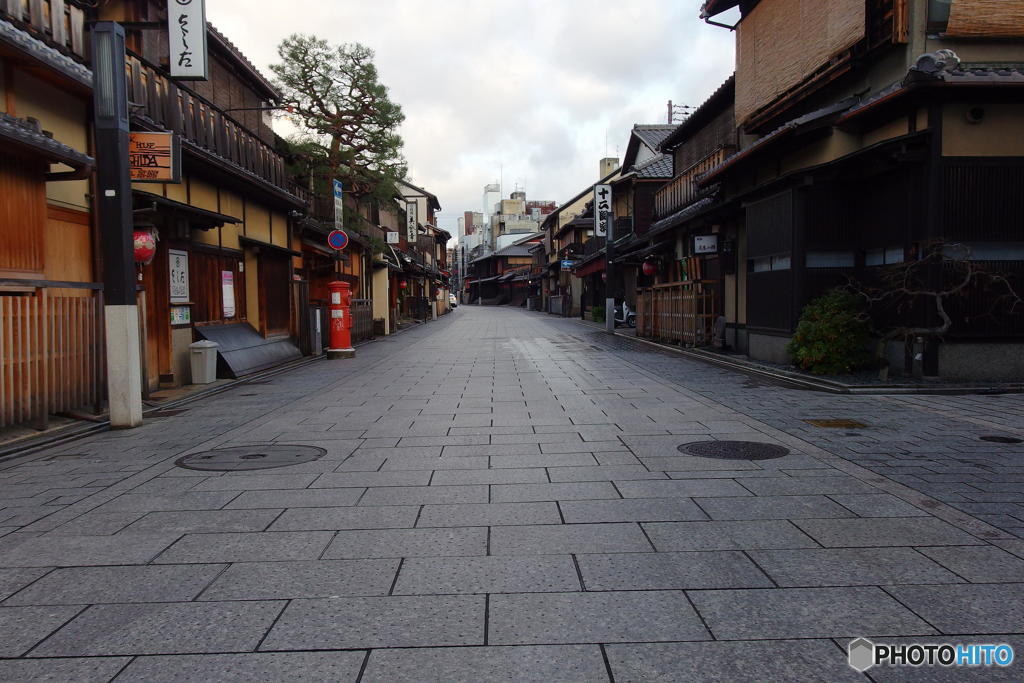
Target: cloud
(533, 91)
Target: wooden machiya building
(872, 131)
(51, 294)
(227, 249)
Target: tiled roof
(699, 117)
(658, 167)
(242, 60)
(652, 134)
(20, 40)
(29, 134)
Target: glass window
(830, 259)
(938, 14)
(766, 263)
(986, 251)
(883, 256)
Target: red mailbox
(341, 321)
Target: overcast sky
(536, 91)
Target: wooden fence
(51, 355)
(362, 320)
(675, 313)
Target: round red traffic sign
(337, 239)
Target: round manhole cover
(1000, 439)
(240, 458)
(734, 450)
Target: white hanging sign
(186, 35)
(410, 222)
(227, 284)
(602, 210)
(179, 275)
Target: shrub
(832, 335)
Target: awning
(595, 266)
(250, 242)
(197, 218)
(639, 255)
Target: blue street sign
(337, 189)
(337, 239)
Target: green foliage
(350, 122)
(832, 335)
(598, 314)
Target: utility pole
(609, 284)
(114, 203)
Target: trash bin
(203, 355)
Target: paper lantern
(650, 268)
(403, 284)
(145, 246)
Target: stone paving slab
(165, 628)
(495, 663)
(805, 613)
(24, 627)
(968, 609)
(304, 579)
(568, 538)
(65, 669)
(70, 551)
(611, 617)
(313, 519)
(727, 535)
(302, 498)
(666, 571)
(258, 667)
(408, 543)
(352, 623)
(202, 521)
(97, 585)
(772, 507)
(900, 531)
(522, 493)
(850, 567)
(632, 510)
(424, 495)
(247, 547)
(489, 514)
(817, 660)
(453, 575)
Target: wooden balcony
(681, 190)
(204, 128)
(58, 23)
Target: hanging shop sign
(181, 315)
(602, 210)
(179, 275)
(186, 35)
(339, 205)
(568, 264)
(227, 286)
(411, 222)
(705, 244)
(154, 157)
(393, 237)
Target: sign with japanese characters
(179, 275)
(392, 237)
(186, 34)
(410, 222)
(154, 157)
(181, 315)
(227, 286)
(602, 210)
(705, 244)
(339, 205)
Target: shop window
(883, 257)
(986, 251)
(829, 259)
(938, 15)
(767, 263)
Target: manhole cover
(734, 450)
(836, 424)
(1000, 439)
(240, 458)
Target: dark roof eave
(49, 57)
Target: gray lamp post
(114, 203)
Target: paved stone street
(502, 497)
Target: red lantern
(403, 284)
(650, 268)
(145, 246)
